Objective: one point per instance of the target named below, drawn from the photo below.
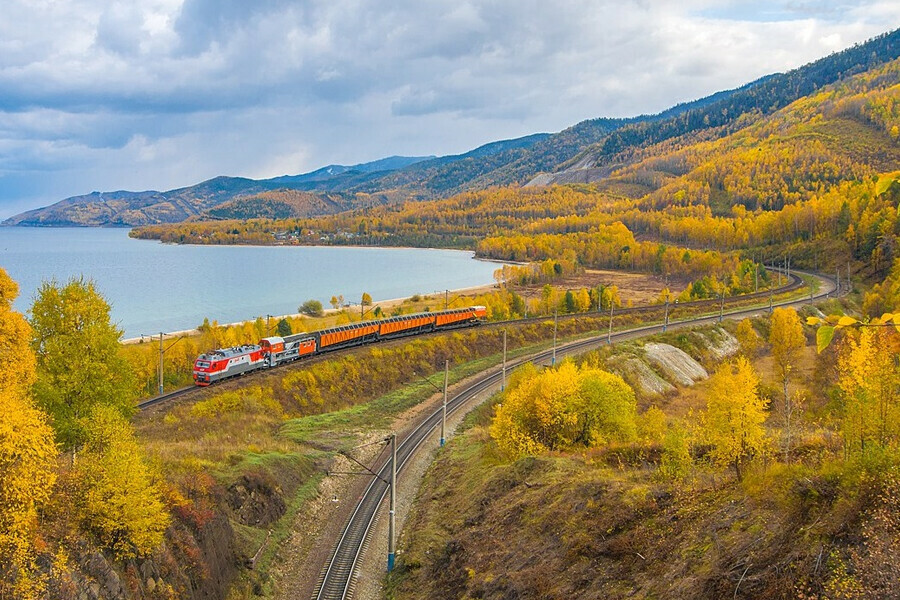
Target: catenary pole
(391, 523)
(444, 407)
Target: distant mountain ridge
(761, 97)
(129, 209)
(584, 153)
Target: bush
(311, 308)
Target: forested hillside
(814, 182)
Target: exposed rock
(720, 344)
(101, 580)
(256, 500)
(675, 364)
(640, 375)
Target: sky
(157, 94)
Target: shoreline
(384, 304)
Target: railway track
(794, 284)
(338, 579)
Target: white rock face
(676, 364)
(720, 343)
(645, 378)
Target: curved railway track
(338, 577)
(794, 284)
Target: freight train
(273, 351)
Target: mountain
(584, 153)
(721, 114)
(129, 209)
(390, 163)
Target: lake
(155, 287)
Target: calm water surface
(156, 287)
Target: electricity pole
(503, 382)
(390, 566)
(609, 332)
(444, 407)
(722, 305)
(161, 351)
(555, 319)
(666, 316)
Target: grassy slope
(603, 524)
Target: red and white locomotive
(273, 351)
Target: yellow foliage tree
(564, 407)
(747, 338)
(27, 453)
(787, 341)
(27, 460)
(868, 379)
(676, 460)
(122, 503)
(735, 412)
(17, 364)
(78, 358)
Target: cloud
(164, 93)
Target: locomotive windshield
(202, 364)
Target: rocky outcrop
(676, 364)
(256, 500)
(198, 561)
(719, 344)
(640, 376)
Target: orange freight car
(406, 324)
(449, 318)
(347, 335)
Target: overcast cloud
(156, 94)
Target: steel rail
(338, 576)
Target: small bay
(155, 287)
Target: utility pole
(722, 305)
(555, 319)
(838, 280)
(666, 317)
(161, 351)
(503, 382)
(810, 292)
(849, 281)
(444, 407)
(609, 332)
(446, 299)
(390, 566)
(756, 278)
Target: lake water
(155, 287)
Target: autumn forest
(747, 458)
